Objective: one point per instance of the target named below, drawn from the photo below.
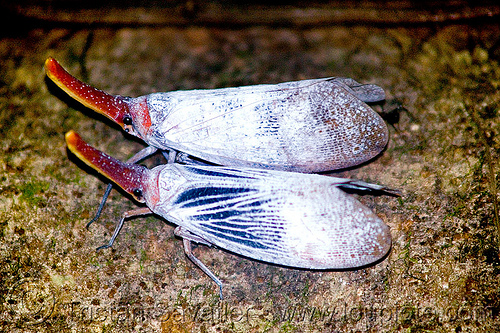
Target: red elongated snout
(131, 114)
(130, 177)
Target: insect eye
(137, 193)
(127, 120)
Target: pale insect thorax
(160, 106)
(163, 184)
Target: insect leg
(101, 205)
(134, 159)
(183, 233)
(174, 156)
(148, 151)
(170, 155)
(187, 238)
(126, 215)
(392, 110)
(183, 158)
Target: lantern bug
(304, 126)
(286, 218)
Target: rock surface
(441, 275)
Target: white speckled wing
(290, 219)
(306, 126)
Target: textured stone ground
(441, 275)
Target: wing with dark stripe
(290, 219)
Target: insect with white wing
(292, 219)
(304, 126)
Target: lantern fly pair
(250, 206)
